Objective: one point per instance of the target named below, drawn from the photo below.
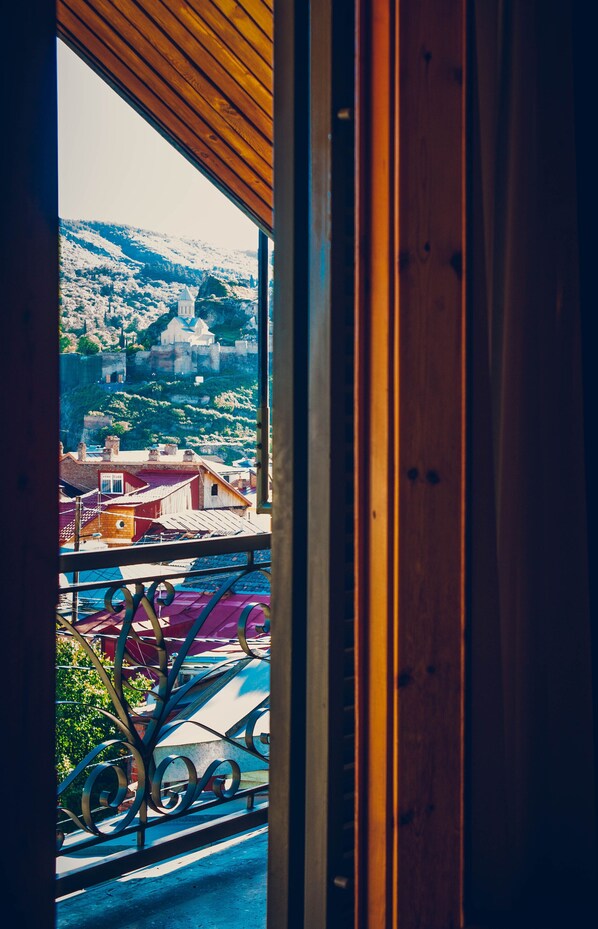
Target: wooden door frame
(419, 830)
(411, 463)
(310, 868)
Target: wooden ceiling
(200, 71)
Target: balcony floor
(220, 887)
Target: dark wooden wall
(29, 390)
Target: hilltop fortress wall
(81, 370)
(179, 359)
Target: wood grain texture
(200, 71)
(410, 444)
(373, 530)
(260, 11)
(254, 21)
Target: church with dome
(188, 348)
(186, 327)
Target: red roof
(91, 504)
(155, 491)
(164, 478)
(176, 620)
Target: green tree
(80, 724)
(88, 345)
(67, 342)
(78, 687)
(133, 348)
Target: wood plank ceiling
(200, 71)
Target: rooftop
(212, 522)
(168, 457)
(140, 456)
(157, 491)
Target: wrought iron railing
(132, 781)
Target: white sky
(114, 167)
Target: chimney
(188, 455)
(61, 449)
(113, 442)
(153, 454)
(81, 451)
(106, 453)
(170, 448)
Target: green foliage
(78, 729)
(151, 336)
(80, 724)
(88, 345)
(212, 286)
(170, 272)
(212, 386)
(146, 414)
(67, 343)
(120, 428)
(231, 400)
(133, 349)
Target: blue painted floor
(222, 887)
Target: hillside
(118, 284)
(117, 277)
(217, 416)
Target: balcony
(213, 888)
(176, 638)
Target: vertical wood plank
(374, 464)
(411, 454)
(429, 666)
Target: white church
(186, 326)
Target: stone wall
(177, 360)
(81, 370)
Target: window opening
(111, 483)
(165, 375)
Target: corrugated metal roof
(215, 522)
(200, 71)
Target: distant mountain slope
(115, 276)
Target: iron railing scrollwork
(121, 786)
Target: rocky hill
(117, 279)
(118, 286)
